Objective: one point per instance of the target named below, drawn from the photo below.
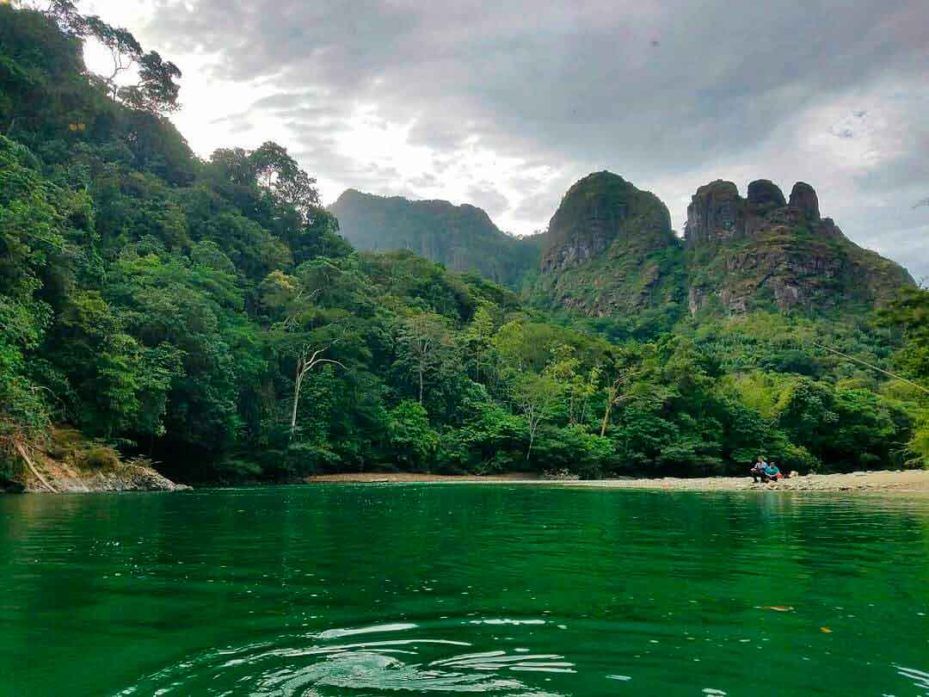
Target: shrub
(100, 457)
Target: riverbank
(69, 463)
(909, 481)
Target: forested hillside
(208, 314)
(462, 238)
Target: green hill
(462, 238)
(610, 251)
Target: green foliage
(33, 226)
(909, 316)
(411, 439)
(100, 458)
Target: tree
(426, 342)
(156, 91)
(625, 372)
(412, 440)
(613, 394)
(280, 174)
(536, 397)
(566, 369)
(307, 359)
(478, 344)
(124, 49)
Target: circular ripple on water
(362, 661)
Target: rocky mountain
(463, 238)
(766, 251)
(610, 250)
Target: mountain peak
(765, 194)
(598, 210)
(607, 247)
(762, 249)
(803, 199)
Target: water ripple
(919, 678)
(410, 664)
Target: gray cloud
(668, 93)
(485, 196)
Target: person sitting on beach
(757, 470)
(772, 473)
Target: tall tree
(307, 359)
(425, 340)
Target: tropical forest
(210, 316)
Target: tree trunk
(611, 395)
(25, 456)
(293, 414)
(305, 365)
(606, 419)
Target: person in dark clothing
(757, 470)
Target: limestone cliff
(610, 249)
(765, 250)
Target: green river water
(432, 589)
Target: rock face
(69, 463)
(610, 249)
(128, 477)
(463, 238)
(716, 213)
(804, 201)
(763, 251)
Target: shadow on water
(500, 590)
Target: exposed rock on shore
(68, 463)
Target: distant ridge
(766, 250)
(463, 238)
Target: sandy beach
(909, 481)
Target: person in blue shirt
(772, 473)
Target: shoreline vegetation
(886, 481)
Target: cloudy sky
(505, 103)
